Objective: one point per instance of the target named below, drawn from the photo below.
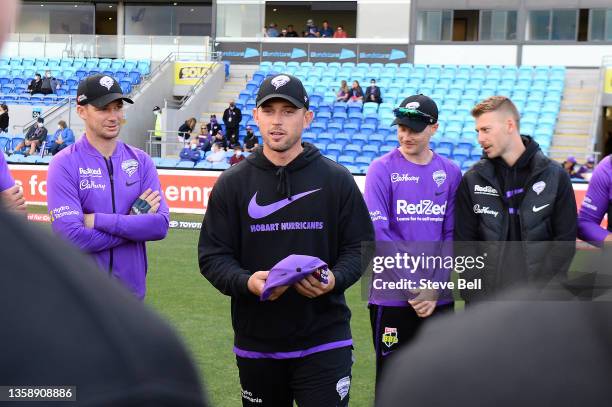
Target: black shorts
(318, 380)
(394, 328)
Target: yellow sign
(188, 73)
(608, 84)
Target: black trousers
(395, 327)
(322, 379)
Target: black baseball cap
(99, 90)
(416, 112)
(283, 86)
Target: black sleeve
(564, 228)
(238, 115)
(355, 227)
(225, 116)
(218, 245)
(466, 221)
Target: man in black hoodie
(284, 199)
(514, 194)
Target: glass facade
(498, 25)
(555, 25)
(235, 19)
(181, 20)
(600, 28)
(56, 18)
(434, 25)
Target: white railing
(155, 48)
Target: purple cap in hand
(292, 269)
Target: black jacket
(545, 227)
(235, 115)
(84, 329)
(36, 133)
(376, 93)
(241, 234)
(185, 131)
(4, 121)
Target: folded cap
(292, 269)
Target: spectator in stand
(340, 33)
(356, 94)
(62, 138)
(344, 93)
(272, 30)
(220, 139)
(233, 141)
(213, 125)
(35, 85)
(326, 30)
(283, 33)
(311, 30)
(34, 137)
(250, 140)
(237, 157)
(4, 118)
(569, 166)
(191, 152)
(49, 84)
(232, 116)
(291, 33)
(186, 129)
(373, 93)
(205, 138)
(218, 154)
(585, 171)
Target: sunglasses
(414, 114)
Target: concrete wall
(198, 103)
(139, 117)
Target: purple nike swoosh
(383, 353)
(258, 211)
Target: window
(601, 25)
(60, 18)
(498, 25)
(434, 25)
(168, 20)
(555, 25)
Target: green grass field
(201, 315)
(177, 290)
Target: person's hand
(256, 285)
(423, 304)
(153, 198)
(12, 198)
(311, 287)
(89, 220)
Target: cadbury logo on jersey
(395, 177)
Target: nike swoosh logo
(383, 353)
(439, 193)
(539, 208)
(129, 184)
(261, 211)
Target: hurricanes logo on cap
(279, 81)
(413, 105)
(107, 82)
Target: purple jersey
(82, 181)
(6, 181)
(597, 202)
(411, 202)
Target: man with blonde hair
(514, 194)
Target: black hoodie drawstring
(284, 184)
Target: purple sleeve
(449, 218)
(139, 228)
(6, 180)
(596, 204)
(67, 215)
(377, 196)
